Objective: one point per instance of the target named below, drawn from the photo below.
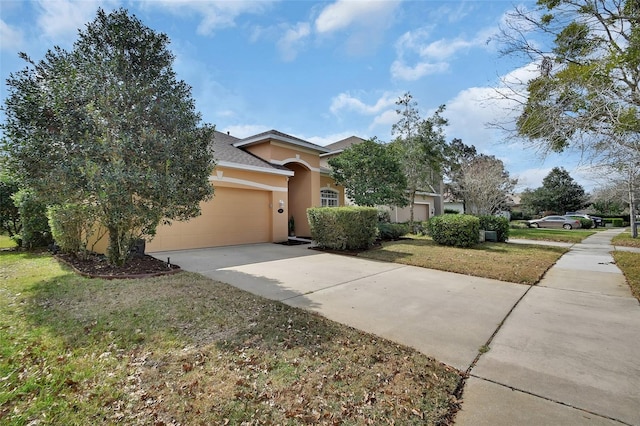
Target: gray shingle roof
(223, 150)
(344, 144)
(274, 134)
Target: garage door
(234, 216)
(420, 213)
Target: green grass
(629, 263)
(559, 235)
(6, 242)
(624, 239)
(185, 349)
(517, 263)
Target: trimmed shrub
(451, 211)
(35, 225)
(392, 231)
(460, 230)
(9, 213)
(498, 224)
(72, 226)
(343, 228)
(585, 223)
(617, 222)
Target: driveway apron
(569, 353)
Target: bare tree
(485, 185)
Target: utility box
(491, 236)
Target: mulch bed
(96, 266)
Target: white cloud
(416, 56)
(344, 14)
(335, 137)
(293, 40)
(400, 70)
(344, 101)
(12, 38)
(61, 19)
(214, 14)
(361, 23)
(385, 121)
(532, 178)
(245, 130)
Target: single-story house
(427, 203)
(260, 183)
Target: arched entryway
(301, 195)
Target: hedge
(392, 231)
(343, 228)
(460, 230)
(499, 224)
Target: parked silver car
(555, 222)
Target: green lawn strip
(6, 242)
(521, 263)
(560, 235)
(629, 263)
(624, 239)
(189, 350)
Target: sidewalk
(567, 354)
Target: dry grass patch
(517, 263)
(629, 263)
(559, 235)
(624, 239)
(184, 349)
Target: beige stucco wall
(244, 210)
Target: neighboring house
(260, 182)
(426, 205)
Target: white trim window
(329, 198)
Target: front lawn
(624, 239)
(6, 242)
(517, 263)
(560, 235)
(183, 349)
(629, 263)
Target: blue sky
(318, 70)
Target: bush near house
(392, 231)
(586, 223)
(459, 230)
(616, 222)
(499, 224)
(35, 225)
(343, 228)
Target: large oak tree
(587, 95)
(108, 124)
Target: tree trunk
(118, 250)
(632, 206)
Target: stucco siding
(234, 216)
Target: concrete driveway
(444, 315)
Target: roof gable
(227, 154)
(280, 137)
(341, 145)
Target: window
(328, 198)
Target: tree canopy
(485, 185)
(371, 174)
(419, 146)
(480, 181)
(108, 124)
(559, 194)
(586, 96)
